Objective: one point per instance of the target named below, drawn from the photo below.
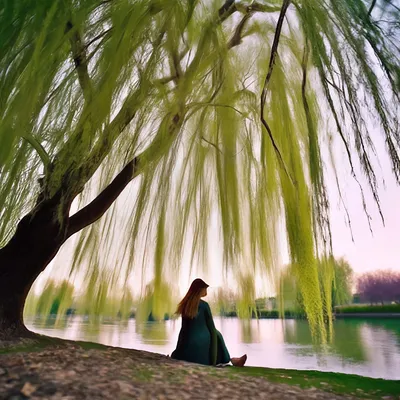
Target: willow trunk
(38, 238)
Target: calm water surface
(363, 347)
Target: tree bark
(38, 238)
(95, 209)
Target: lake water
(362, 347)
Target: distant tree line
(61, 298)
(379, 287)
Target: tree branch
(317, 180)
(204, 104)
(227, 10)
(304, 87)
(112, 131)
(96, 209)
(107, 32)
(79, 56)
(371, 8)
(177, 65)
(325, 83)
(40, 150)
(274, 52)
(98, 206)
(165, 80)
(230, 7)
(212, 144)
(237, 36)
(258, 7)
(79, 176)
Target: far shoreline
(343, 315)
(367, 315)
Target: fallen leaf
(28, 389)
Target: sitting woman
(199, 341)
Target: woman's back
(195, 337)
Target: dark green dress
(199, 341)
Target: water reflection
(347, 340)
(153, 332)
(296, 332)
(380, 345)
(50, 322)
(364, 347)
(250, 330)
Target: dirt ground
(72, 372)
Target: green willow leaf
(100, 83)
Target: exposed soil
(72, 372)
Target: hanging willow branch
(274, 54)
(133, 90)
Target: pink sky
(377, 250)
(380, 250)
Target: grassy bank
(365, 309)
(344, 384)
(335, 383)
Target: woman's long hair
(189, 305)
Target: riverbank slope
(57, 369)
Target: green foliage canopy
(171, 90)
(335, 278)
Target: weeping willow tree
(335, 281)
(246, 302)
(211, 110)
(55, 300)
(150, 308)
